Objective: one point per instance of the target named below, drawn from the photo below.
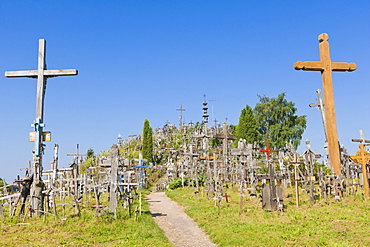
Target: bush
(176, 183)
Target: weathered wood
(41, 74)
(325, 66)
(363, 157)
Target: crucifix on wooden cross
(325, 66)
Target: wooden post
(114, 180)
(326, 67)
(296, 163)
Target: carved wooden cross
(326, 67)
(363, 158)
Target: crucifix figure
(41, 74)
(325, 66)
(181, 110)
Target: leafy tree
(247, 127)
(147, 141)
(90, 153)
(277, 118)
(215, 142)
(232, 129)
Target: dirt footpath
(179, 228)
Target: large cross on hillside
(41, 74)
(326, 67)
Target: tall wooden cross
(181, 110)
(41, 74)
(325, 66)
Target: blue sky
(141, 59)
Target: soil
(179, 228)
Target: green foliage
(147, 141)
(1, 182)
(277, 117)
(200, 181)
(247, 127)
(215, 142)
(90, 153)
(232, 129)
(176, 183)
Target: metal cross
(320, 106)
(181, 110)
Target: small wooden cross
(268, 150)
(363, 158)
(325, 66)
(226, 197)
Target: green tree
(277, 118)
(247, 127)
(147, 141)
(90, 153)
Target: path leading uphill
(179, 228)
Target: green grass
(84, 230)
(330, 223)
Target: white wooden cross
(41, 74)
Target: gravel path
(179, 228)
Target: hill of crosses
(207, 157)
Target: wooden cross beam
(325, 66)
(41, 74)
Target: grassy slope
(84, 231)
(344, 223)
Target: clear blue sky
(141, 59)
